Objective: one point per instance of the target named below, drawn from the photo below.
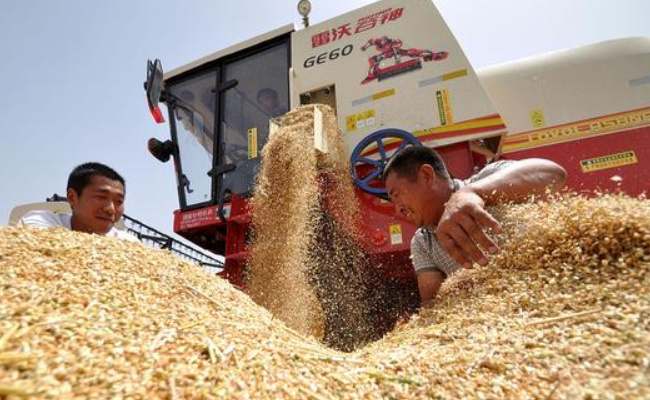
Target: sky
(71, 73)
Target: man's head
(418, 184)
(267, 98)
(96, 195)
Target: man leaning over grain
(96, 196)
(451, 214)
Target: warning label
(609, 161)
(252, 143)
(395, 231)
(444, 107)
(537, 119)
(360, 120)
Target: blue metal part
(378, 139)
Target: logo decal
(391, 50)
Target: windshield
(192, 103)
(254, 88)
(262, 93)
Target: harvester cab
(393, 73)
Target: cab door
(256, 90)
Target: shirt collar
(457, 184)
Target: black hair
(266, 92)
(81, 176)
(407, 163)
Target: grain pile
(305, 265)
(562, 313)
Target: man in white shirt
(95, 193)
(452, 214)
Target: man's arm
(519, 180)
(431, 265)
(461, 226)
(429, 283)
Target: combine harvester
(396, 76)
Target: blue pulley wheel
(388, 143)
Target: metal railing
(154, 238)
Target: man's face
(268, 103)
(99, 205)
(417, 199)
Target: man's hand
(461, 228)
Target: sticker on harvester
(537, 119)
(360, 120)
(444, 107)
(373, 97)
(395, 231)
(609, 161)
(252, 143)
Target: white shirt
(49, 219)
